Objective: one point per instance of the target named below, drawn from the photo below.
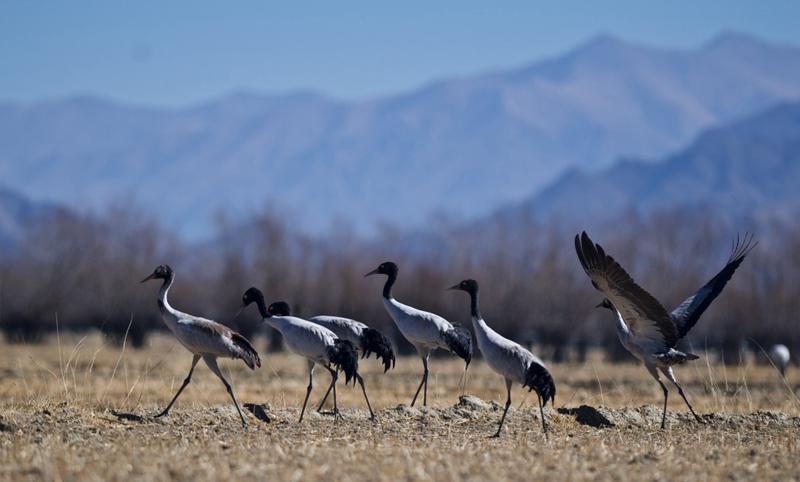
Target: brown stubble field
(57, 422)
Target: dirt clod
(471, 402)
(6, 426)
(259, 411)
(590, 416)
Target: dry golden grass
(56, 421)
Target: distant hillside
(749, 170)
(17, 213)
(462, 146)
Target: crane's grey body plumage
(303, 337)
(644, 326)
(508, 358)
(317, 344)
(366, 340)
(426, 331)
(205, 338)
(345, 328)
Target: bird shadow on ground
(586, 415)
(131, 417)
(258, 411)
(7, 426)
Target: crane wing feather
(646, 318)
(686, 315)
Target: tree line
(81, 273)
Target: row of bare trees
(82, 273)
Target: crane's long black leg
(508, 404)
(421, 383)
(308, 390)
(541, 414)
(666, 394)
(680, 390)
(325, 398)
(212, 364)
(363, 389)
(671, 376)
(425, 391)
(186, 381)
(334, 378)
(654, 373)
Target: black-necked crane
(644, 327)
(366, 340)
(509, 359)
(426, 331)
(779, 354)
(317, 344)
(206, 339)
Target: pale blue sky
(177, 53)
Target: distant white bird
(643, 325)
(366, 340)
(317, 344)
(780, 357)
(426, 331)
(509, 359)
(206, 339)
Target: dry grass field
(57, 422)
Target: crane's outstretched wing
(689, 311)
(647, 319)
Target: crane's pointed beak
(152, 276)
(374, 271)
(239, 311)
(454, 287)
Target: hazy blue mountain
(461, 146)
(18, 213)
(749, 170)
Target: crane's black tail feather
(343, 356)
(459, 341)
(675, 357)
(538, 378)
(246, 351)
(373, 341)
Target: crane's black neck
(262, 306)
(473, 305)
(387, 288)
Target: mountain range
(463, 146)
(17, 214)
(747, 172)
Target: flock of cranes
(643, 325)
